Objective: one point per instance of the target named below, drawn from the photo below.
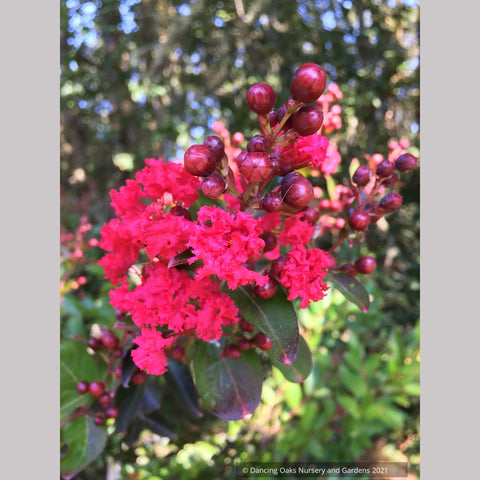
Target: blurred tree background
(143, 79)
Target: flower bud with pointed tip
(365, 265)
(391, 201)
(297, 191)
(405, 162)
(216, 146)
(308, 120)
(260, 98)
(199, 161)
(359, 220)
(362, 175)
(308, 82)
(213, 186)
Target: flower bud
(181, 212)
(260, 98)
(384, 169)
(238, 137)
(271, 202)
(258, 143)
(199, 161)
(308, 82)
(391, 180)
(297, 191)
(310, 215)
(358, 220)
(391, 201)
(362, 175)
(276, 268)
(405, 162)
(365, 265)
(216, 146)
(213, 186)
(256, 166)
(270, 240)
(308, 120)
(282, 111)
(266, 291)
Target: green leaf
(76, 365)
(85, 443)
(229, 388)
(300, 369)
(350, 288)
(275, 317)
(129, 402)
(354, 382)
(330, 186)
(354, 164)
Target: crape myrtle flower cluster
(173, 258)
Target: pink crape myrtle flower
(296, 232)
(303, 273)
(224, 242)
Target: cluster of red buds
(259, 233)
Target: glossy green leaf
(275, 317)
(229, 388)
(300, 369)
(76, 365)
(350, 288)
(85, 441)
(330, 182)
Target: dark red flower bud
(366, 265)
(105, 399)
(213, 186)
(310, 215)
(256, 166)
(258, 143)
(391, 201)
(276, 268)
(405, 162)
(232, 350)
(308, 120)
(349, 269)
(139, 377)
(260, 98)
(308, 82)
(359, 220)
(181, 212)
(272, 118)
(270, 240)
(391, 180)
(99, 420)
(282, 111)
(266, 291)
(362, 175)
(112, 412)
(178, 353)
(109, 339)
(384, 169)
(244, 343)
(271, 202)
(262, 341)
(97, 389)
(245, 326)
(94, 343)
(216, 146)
(199, 161)
(297, 191)
(82, 387)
